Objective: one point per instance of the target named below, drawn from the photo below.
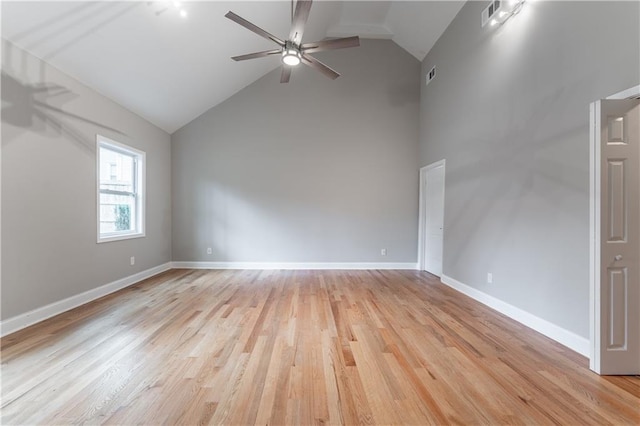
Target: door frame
(422, 214)
(594, 224)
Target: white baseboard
(559, 334)
(19, 322)
(294, 265)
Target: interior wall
(49, 223)
(310, 171)
(509, 110)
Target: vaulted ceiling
(169, 69)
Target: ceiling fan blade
(299, 20)
(316, 64)
(255, 55)
(251, 27)
(286, 74)
(338, 43)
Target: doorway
(431, 225)
(615, 234)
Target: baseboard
(294, 265)
(559, 334)
(19, 322)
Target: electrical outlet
(133, 260)
(489, 278)
(209, 250)
(383, 252)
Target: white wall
(509, 110)
(49, 249)
(310, 171)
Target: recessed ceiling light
(183, 13)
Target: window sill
(109, 238)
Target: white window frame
(139, 191)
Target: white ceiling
(170, 70)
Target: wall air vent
(431, 75)
(489, 11)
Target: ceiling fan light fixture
(291, 57)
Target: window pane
(116, 171)
(117, 213)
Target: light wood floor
(299, 347)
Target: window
(120, 184)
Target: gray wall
(49, 249)
(310, 171)
(509, 110)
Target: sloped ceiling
(170, 70)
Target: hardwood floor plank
(379, 397)
(299, 347)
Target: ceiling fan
(292, 50)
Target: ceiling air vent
(431, 75)
(489, 11)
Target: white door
(616, 246)
(432, 216)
